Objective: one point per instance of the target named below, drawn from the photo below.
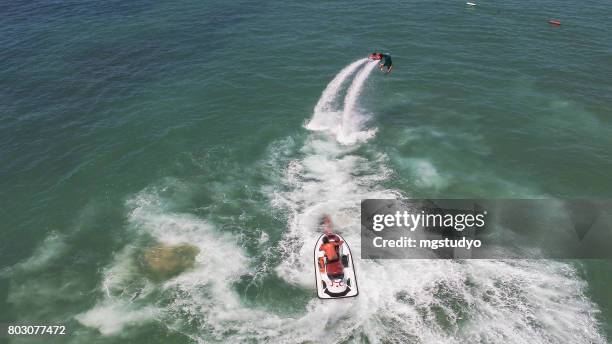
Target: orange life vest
(330, 250)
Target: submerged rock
(165, 261)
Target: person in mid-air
(331, 242)
(385, 61)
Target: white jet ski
(336, 277)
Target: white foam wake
(411, 301)
(331, 91)
(350, 130)
(344, 122)
(202, 294)
(400, 301)
(324, 113)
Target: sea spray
(349, 131)
(323, 110)
(402, 300)
(429, 301)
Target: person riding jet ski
(331, 247)
(385, 60)
(334, 270)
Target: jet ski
(335, 276)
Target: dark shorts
(388, 62)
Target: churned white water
(400, 301)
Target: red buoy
(554, 22)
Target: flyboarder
(385, 61)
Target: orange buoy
(554, 22)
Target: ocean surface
(235, 125)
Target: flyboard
(335, 278)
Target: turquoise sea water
(126, 123)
